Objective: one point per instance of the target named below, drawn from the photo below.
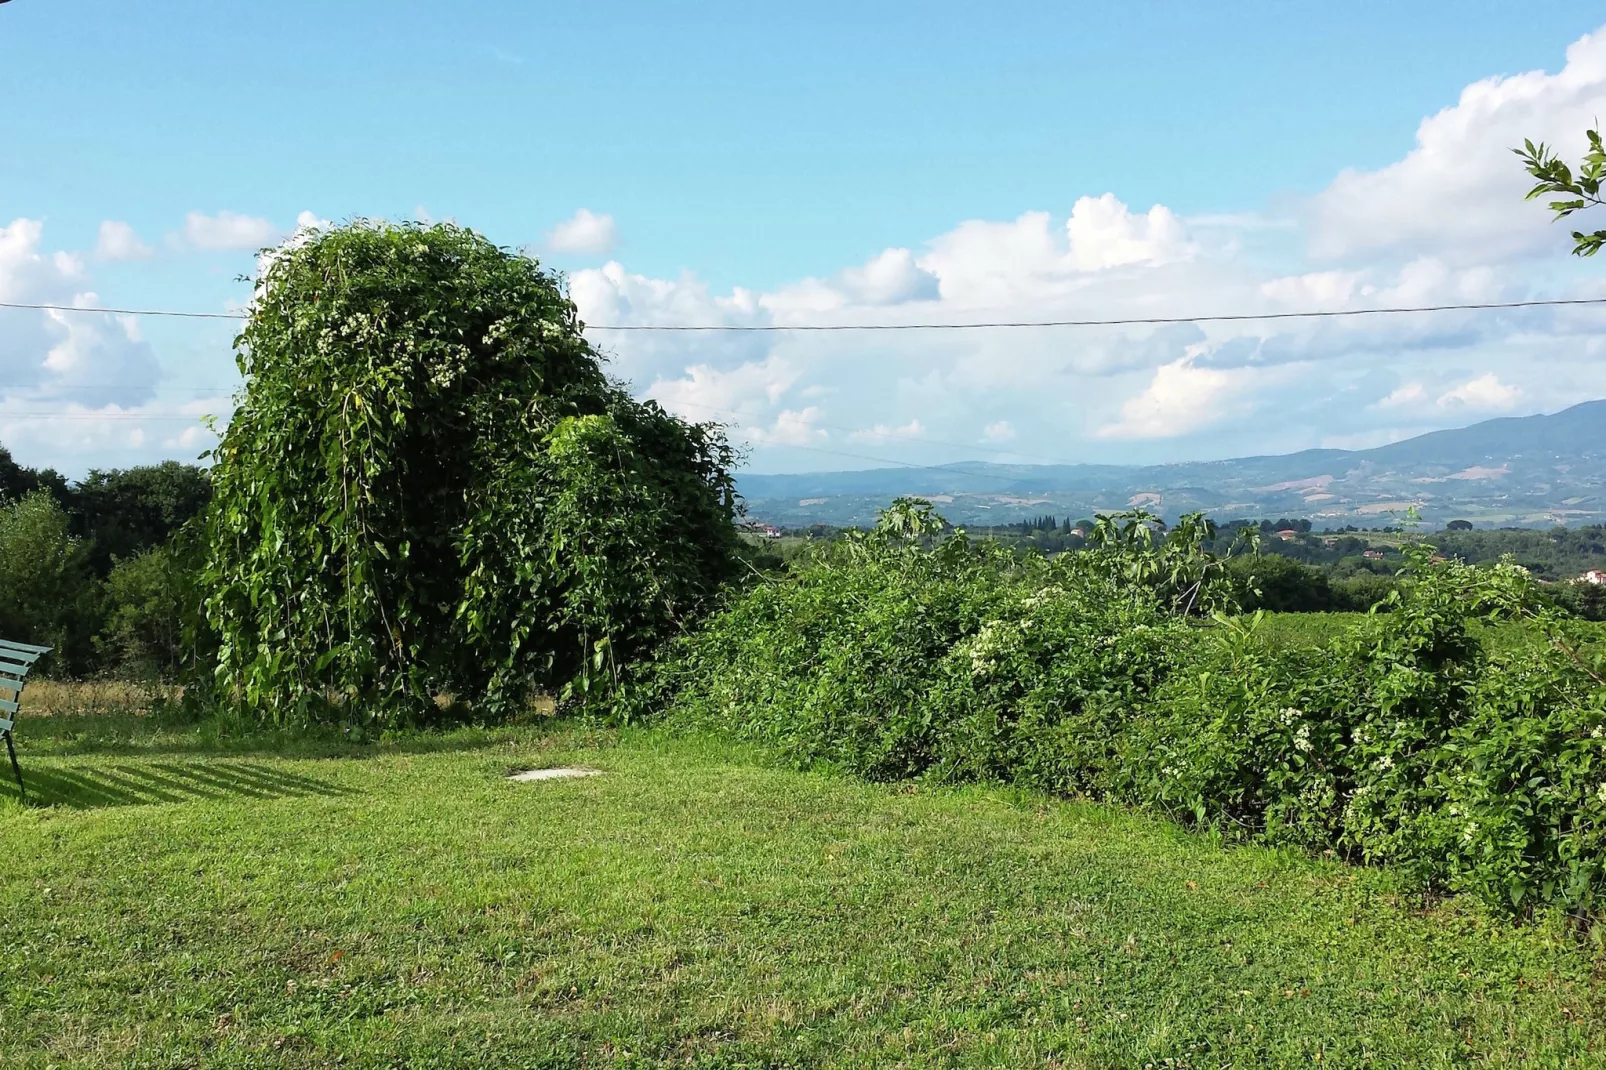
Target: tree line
(99, 569)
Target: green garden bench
(15, 661)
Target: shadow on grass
(85, 787)
(132, 736)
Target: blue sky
(754, 163)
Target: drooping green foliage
(1407, 740)
(430, 486)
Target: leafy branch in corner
(1574, 192)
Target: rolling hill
(1531, 471)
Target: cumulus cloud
(882, 432)
(86, 358)
(1103, 233)
(225, 231)
(311, 221)
(118, 241)
(890, 278)
(584, 233)
(1486, 393)
(1460, 190)
(1181, 398)
(1406, 395)
(74, 437)
(1000, 431)
(791, 428)
(706, 393)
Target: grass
(186, 899)
(1282, 630)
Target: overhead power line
(1128, 321)
(171, 314)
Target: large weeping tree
(429, 486)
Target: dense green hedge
(1405, 741)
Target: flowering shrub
(1407, 741)
(890, 660)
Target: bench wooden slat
(15, 657)
(24, 648)
(15, 661)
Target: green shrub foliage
(150, 609)
(47, 594)
(430, 486)
(1408, 740)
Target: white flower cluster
(1385, 763)
(1288, 715)
(1600, 793)
(1047, 594)
(1302, 739)
(993, 639)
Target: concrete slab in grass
(561, 773)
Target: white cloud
(1407, 395)
(75, 436)
(584, 233)
(118, 241)
(1103, 233)
(226, 231)
(791, 428)
(705, 393)
(1001, 431)
(77, 357)
(890, 278)
(1460, 190)
(1486, 393)
(1181, 398)
(882, 433)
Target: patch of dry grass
(93, 698)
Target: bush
(1406, 741)
(1281, 585)
(151, 606)
(1586, 601)
(47, 595)
(887, 660)
(1359, 593)
(430, 486)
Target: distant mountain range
(1530, 471)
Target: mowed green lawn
(402, 904)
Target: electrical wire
(989, 325)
